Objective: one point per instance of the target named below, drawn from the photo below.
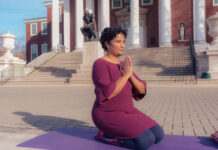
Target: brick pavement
(36, 110)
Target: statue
(182, 32)
(89, 29)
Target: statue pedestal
(208, 63)
(92, 51)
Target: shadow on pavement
(48, 123)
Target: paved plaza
(29, 111)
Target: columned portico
(67, 25)
(199, 24)
(55, 24)
(165, 39)
(134, 25)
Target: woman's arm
(139, 86)
(121, 82)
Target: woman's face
(117, 45)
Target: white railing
(7, 73)
(42, 59)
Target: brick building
(150, 23)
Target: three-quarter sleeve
(104, 87)
(137, 96)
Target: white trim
(35, 20)
(31, 33)
(214, 4)
(49, 3)
(146, 4)
(32, 50)
(121, 2)
(42, 48)
(42, 28)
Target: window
(215, 2)
(116, 4)
(60, 14)
(44, 48)
(124, 24)
(147, 2)
(34, 51)
(44, 28)
(33, 29)
(60, 39)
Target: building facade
(150, 23)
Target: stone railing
(31, 66)
(41, 59)
(21, 71)
(7, 73)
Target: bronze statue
(89, 29)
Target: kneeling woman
(113, 113)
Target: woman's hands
(127, 70)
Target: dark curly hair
(109, 34)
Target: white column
(90, 5)
(55, 24)
(79, 23)
(67, 25)
(165, 23)
(199, 24)
(134, 24)
(104, 14)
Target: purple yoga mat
(82, 139)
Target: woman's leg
(143, 142)
(158, 133)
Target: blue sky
(13, 12)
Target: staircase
(155, 65)
(163, 65)
(57, 70)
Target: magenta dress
(117, 117)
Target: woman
(113, 113)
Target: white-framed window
(33, 28)
(215, 2)
(44, 27)
(34, 51)
(44, 48)
(60, 14)
(125, 24)
(60, 39)
(147, 2)
(116, 4)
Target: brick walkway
(35, 110)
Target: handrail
(194, 59)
